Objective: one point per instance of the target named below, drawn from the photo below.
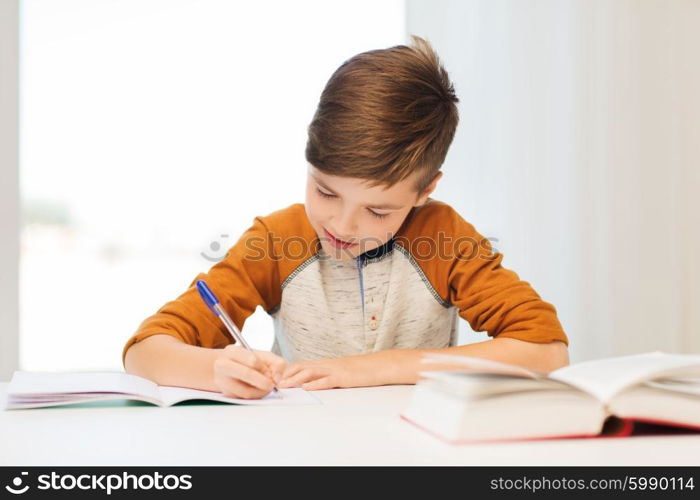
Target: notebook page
(606, 377)
(45, 383)
(292, 396)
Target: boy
(369, 273)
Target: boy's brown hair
(385, 114)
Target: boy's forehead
(381, 196)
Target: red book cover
(614, 427)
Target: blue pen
(213, 303)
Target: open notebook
(40, 389)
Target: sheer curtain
(578, 149)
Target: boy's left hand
(330, 373)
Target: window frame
(9, 188)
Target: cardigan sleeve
(465, 271)
(492, 298)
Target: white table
(352, 427)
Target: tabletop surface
(359, 426)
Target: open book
(39, 389)
(481, 400)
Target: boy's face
(362, 217)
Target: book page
(690, 385)
(293, 396)
(474, 384)
(47, 384)
(481, 365)
(604, 378)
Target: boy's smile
(351, 218)
(338, 243)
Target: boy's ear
(423, 197)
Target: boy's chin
(338, 254)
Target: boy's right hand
(238, 373)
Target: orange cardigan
(407, 293)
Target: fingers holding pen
(236, 365)
(245, 373)
(274, 363)
(226, 367)
(235, 388)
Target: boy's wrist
(398, 366)
(403, 366)
(168, 361)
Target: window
(151, 133)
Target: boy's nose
(345, 228)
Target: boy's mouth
(336, 242)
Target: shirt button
(373, 323)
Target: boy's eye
(325, 195)
(331, 195)
(375, 214)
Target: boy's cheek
(316, 218)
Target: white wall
(9, 182)
(578, 148)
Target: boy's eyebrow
(383, 206)
(322, 184)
